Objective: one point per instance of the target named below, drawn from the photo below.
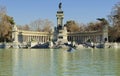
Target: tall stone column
(60, 16)
(14, 34)
(105, 33)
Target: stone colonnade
(82, 37)
(36, 38)
(28, 36)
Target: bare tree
(114, 18)
(6, 23)
(94, 26)
(82, 27)
(44, 25)
(72, 26)
(23, 27)
(2, 10)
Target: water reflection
(59, 62)
(6, 63)
(32, 63)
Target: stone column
(105, 33)
(14, 33)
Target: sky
(82, 11)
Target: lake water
(59, 62)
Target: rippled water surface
(59, 62)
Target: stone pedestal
(62, 36)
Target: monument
(59, 35)
(61, 30)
